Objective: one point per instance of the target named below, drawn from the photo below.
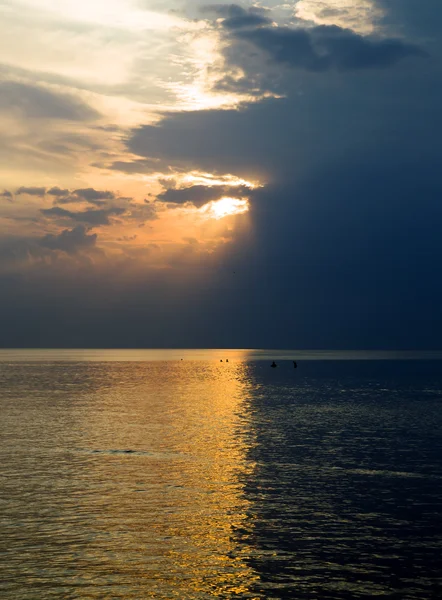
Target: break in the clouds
(227, 175)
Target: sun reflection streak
(177, 490)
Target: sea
(201, 474)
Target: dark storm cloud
(346, 234)
(31, 191)
(318, 48)
(268, 139)
(41, 103)
(239, 137)
(422, 20)
(323, 118)
(327, 47)
(199, 195)
(352, 250)
(91, 217)
(70, 240)
(237, 17)
(344, 257)
(344, 247)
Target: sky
(196, 174)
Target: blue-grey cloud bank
(325, 119)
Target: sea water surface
(170, 474)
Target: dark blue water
(201, 479)
(346, 494)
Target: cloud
(323, 48)
(248, 143)
(90, 194)
(144, 165)
(91, 217)
(127, 238)
(421, 20)
(347, 225)
(37, 102)
(199, 195)
(56, 191)
(141, 212)
(15, 250)
(7, 194)
(31, 191)
(72, 199)
(237, 17)
(362, 16)
(70, 240)
(321, 120)
(340, 243)
(66, 196)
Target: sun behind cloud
(217, 209)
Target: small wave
(127, 452)
(385, 473)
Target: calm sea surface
(135, 474)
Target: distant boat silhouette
(273, 365)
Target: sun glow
(218, 209)
(120, 14)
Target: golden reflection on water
(165, 452)
(200, 479)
